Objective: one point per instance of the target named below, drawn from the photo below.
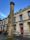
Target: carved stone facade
(20, 23)
(23, 22)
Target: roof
(22, 10)
(0, 20)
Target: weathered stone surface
(10, 21)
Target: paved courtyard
(3, 37)
(21, 38)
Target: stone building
(22, 22)
(19, 23)
(1, 26)
(5, 22)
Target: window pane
(20, 17)
(28, 13)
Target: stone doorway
(21, 28)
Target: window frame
(28, 14)
(21, 17)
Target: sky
(5, 6)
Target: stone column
(10, 20)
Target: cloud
(2, 15)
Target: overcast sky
(5, 6)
